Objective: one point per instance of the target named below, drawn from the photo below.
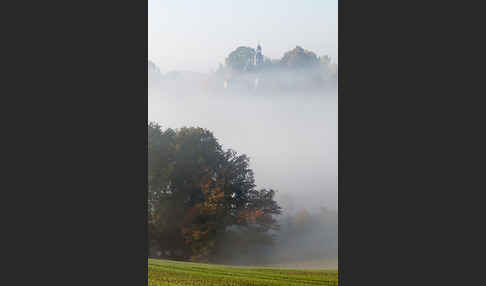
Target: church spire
(258, 56)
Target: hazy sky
(198, 35)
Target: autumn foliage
(199, 193)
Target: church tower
(258, 56)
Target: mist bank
(291, 140)
(289, 132)
(305, 240)
(276, 82)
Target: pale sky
(197, 35)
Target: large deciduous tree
(197, 191)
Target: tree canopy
(299, 58)
(241, 58)
(198, 193)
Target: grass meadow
(175, 273)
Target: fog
(291, 139)
(305, 240)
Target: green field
(164, 272)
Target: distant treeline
(243, 59)
(248, 69)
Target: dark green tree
(198, 191)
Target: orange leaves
(250, 216)
(213, 197)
